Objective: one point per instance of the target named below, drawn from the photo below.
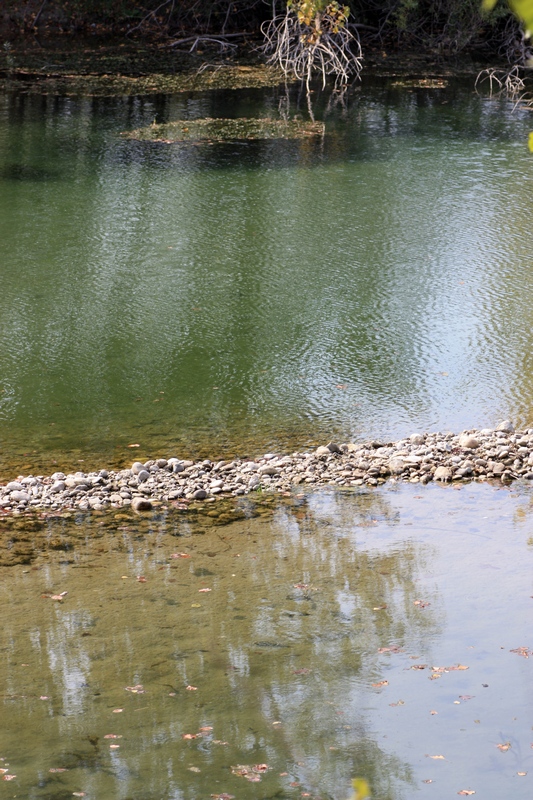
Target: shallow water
(286, 651)
(233, 298)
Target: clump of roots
(314, 37)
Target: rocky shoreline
(501, 454)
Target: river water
(242, 297)
(328, 636)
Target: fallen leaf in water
(283, 774)
(118, 710)
(394, 648)
(219, 741)
(421, 603)
(3, 771)
(399, 703)
(341, 386)
(302, 671)
(134, 445)
(525, 652)
(223, 796)
(191, 688)
(504, 747)
(78, 794)
(8, 777)
(58, 597)
(456, 703)
(141, 578)
(428, 780)
(44, 697)
(204, 590)
(260, 768)
(206, 728)
(466, 696)
(441, 758)
(188, 736)
(112, 736)
(114, 746)
(181, 555)
(137, 689)
(418, 666)
(301, 586)
(380, 684)
(466, 791)
(194, 769)
(379, 608)
(295, 783)
(521, 774)
(196, 605)
(244, 771)
(172, 694)
(433, 712)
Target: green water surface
(208, 299)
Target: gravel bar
(501, 454)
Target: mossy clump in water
(224, 130)
(108, 85)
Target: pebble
(501, 455)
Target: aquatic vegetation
(223, 130)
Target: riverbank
(502, 454)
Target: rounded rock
(141, 504)
(506, 426)
(137, 467)
(199, 494)
(468, 442)
(142, 476)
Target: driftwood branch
(221, 39)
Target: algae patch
(223, 130)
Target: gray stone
(266, 469)
(142, 476)
(505, 426)
(442, 474)
(333, 448)
(322, 451)
(20, 497)
(14, 486)
(396, 465)
(468, 442)
(417, 438)
(141, 504)
(58, 486)
(199, 494)
(137, 467)
(58, 476)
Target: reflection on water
(248, 295)
(318, 650)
